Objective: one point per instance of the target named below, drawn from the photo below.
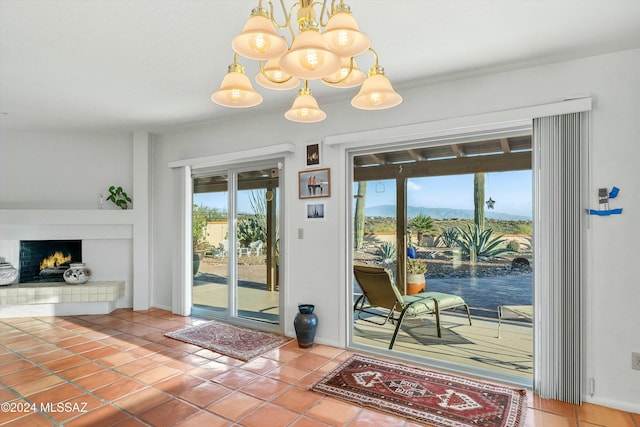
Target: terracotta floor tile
(103, 416)
(118, 389)
(296, 399)
(81, 371)
(99, 379)
(38, 385)
(604, 416)
(203, 418)
(310, 422)
(367, 418)
(136, 367)
(333, 411)
(70, 342)
(537, 418)
(168, 413)
(205, 393)
(210, 370)
(261, 365)
(131, 422)
(78, 406)
(276, 416)
(24, 375)
(190, 385)
(179, 384)
(142, 400)
(15, 366)
(157, 374)
(7, 395)
(87, 346)
(52, 355)
(56, 394)
(117, 359)
(308, 361)
(265, 388)
(326, 351)
(65, 363)
(288, 374)
(32, 420)
(99, 353)
(234, 406)
(235, 378)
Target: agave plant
(387, 251)
(482, 243)
(450, 237)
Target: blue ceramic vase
(305, 324)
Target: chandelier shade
(309, 57)
(348, 75)
(236, 90)
(271, 76)
(305, 108)
(320, 42)
(343, 35)
(376, 93)
(259, 39)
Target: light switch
(301, 233)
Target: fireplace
(47, 260)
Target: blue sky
(512, 192)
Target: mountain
(441, 213)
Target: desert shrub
(514, 245)
(387, 251)
(483, 243)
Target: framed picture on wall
(314, 183)
(313, 155)
(315, 211)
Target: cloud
(412, 186)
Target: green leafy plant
(421, 225)
(119, 197)
(251, 229)
(199, 228)
(481, 242)
(416, 266)
(387, 251)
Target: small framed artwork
(313, 155)
(314, 183)
(315, 212)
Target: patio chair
(255, 247)
(381, 298)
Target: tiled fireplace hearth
(102, 239)
(57, 297)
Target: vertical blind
(560, 144)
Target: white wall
(611, 293)
(62, 170)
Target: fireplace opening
(47, 260)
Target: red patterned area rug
(425, 396)
(235, 341)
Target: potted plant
(119, 197)
(416, 269)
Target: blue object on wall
(605, 213)
(614, 192)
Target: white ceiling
(153, 64)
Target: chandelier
(323, 48)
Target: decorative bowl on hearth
(8, 273)
(77, 274)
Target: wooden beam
(461, 166)
(504, 143)
(457, 150)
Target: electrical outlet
(635, 361)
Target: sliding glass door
(236, 244)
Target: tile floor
(119, 369)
